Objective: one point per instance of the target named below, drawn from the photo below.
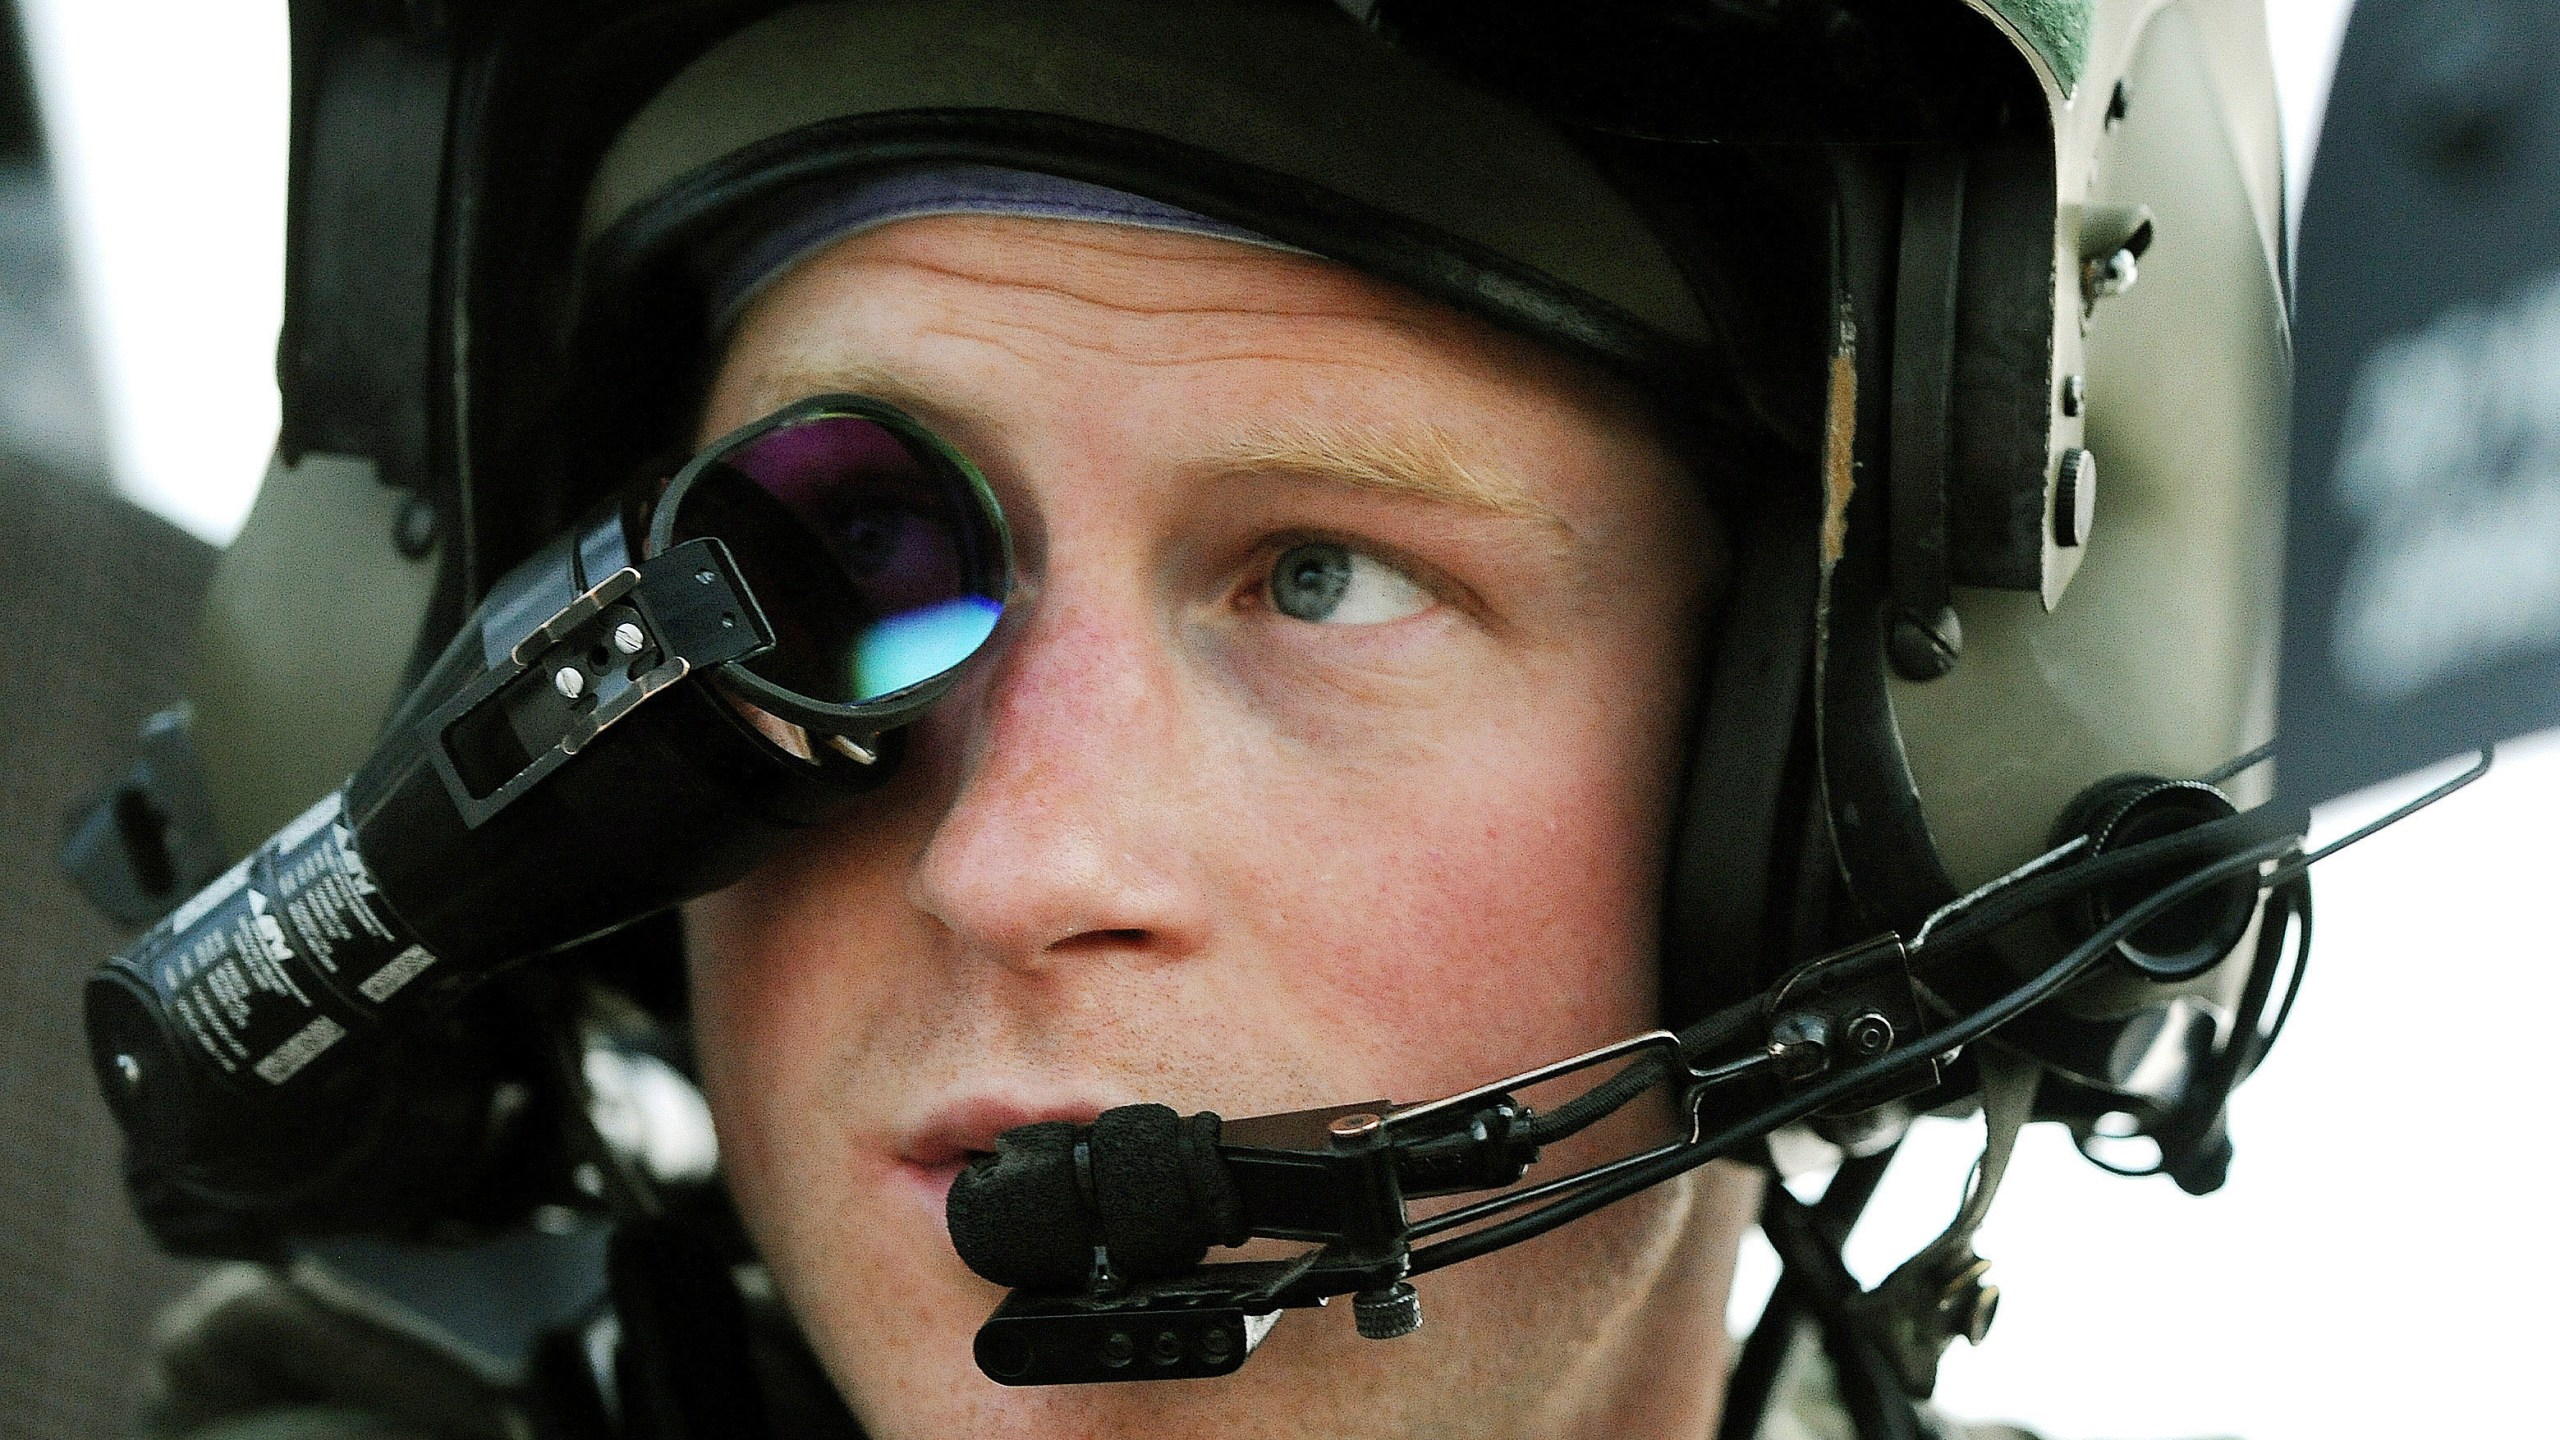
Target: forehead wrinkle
(902, 387)
(1417, 462)
(1171, 337)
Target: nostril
(1102, 940)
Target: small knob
(2075, 498)
(1386, 1314)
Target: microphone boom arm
(1840, 1034)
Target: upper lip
(967, 1126)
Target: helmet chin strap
(1940, 1293)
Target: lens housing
(878, 552)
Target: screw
(1118, 1349)
(704, 577)
(1969, 1303)
(1388, 1313)
(2113, 275)
(129, 1070)
(413, 530)
(569, 681)
(1924, 649)
(1354, 1127)
(1167, 1350)
(1105, 1280)
(628, 639)
(1871, 1034)
(1216, 1345)
(1985, 1309)
(2075, 498)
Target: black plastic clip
(639, 631)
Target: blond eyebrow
(850, 377)
(1418, 462)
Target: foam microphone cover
(1155, 1194)
(1018, 1217)
(1163, 1193)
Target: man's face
(1324, 753)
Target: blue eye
(1325, 583)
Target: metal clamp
(588, 666)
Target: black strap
(1812, 1284)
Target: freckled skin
(1165, 843)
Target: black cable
(1704, 1037)
(1753, 1380)
(2488, 757)
(1852, 1186)
(1989, 914)
(1754, 1377)
(2301, 963)
(1604, 1099)
(2060, 975)
(1867, 1386)
(2200, 1112)
(2005, 907)
(1877, 1404)
(2239, 765)
(2232, 1062)
(1597, 1104)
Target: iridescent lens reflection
(876, 558)
(912, 648)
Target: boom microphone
(1143, 1192)
(1142, 1185)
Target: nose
(1069, 827)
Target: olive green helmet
(1977, 307)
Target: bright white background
(167, 121)
(2381, 1264)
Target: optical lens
(877, 554)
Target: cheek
(772, 996)
(1477, 901)
(742, 1036)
